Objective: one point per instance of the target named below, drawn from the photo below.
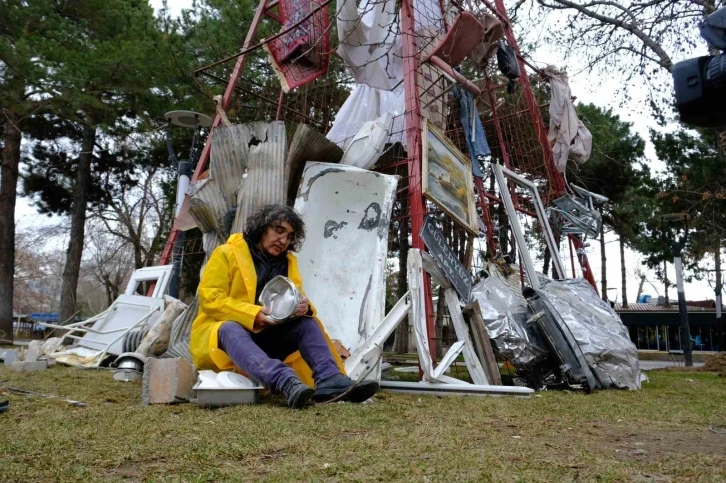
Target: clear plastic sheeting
(599, 332)
(505, 315)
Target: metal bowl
(129, 367)
(282, 297)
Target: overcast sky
(588, 88)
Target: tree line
(84, 85)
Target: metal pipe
(719, 320)
(542, 216)
(686, 344)
(414, 150)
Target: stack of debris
(560, 334)
(33, 358)
(121, 327)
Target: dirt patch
(659, 444)
(630, 442)
(716, 363)
(664, 356)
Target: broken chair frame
(577, 215)
(81, 327)
(501, 175)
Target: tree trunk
(547, 260)
(109, 292)
(78, 226)
(665, 282)
(603, 263)
(623, 273)
(640, 288)
(400, 345)
(720, 328)
(8, 192)
(138, 253)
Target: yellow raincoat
(227, 292)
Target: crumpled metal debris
(599, 332)
(505, 314)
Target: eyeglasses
(283, 234)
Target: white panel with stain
(343, 259)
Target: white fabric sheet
(568, 136)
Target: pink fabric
(302, 54)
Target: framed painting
(447, 177)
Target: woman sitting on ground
(233, 331)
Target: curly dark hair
(258, 222)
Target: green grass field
(658, 434)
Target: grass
(657, 434)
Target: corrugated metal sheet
(658, 308)
(265, 182)
(220, 203)
(181, 330)
(232, 150)
(208, 207)
(307, 145)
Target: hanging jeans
(261, 354)
(476, 140)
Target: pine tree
(615, 169)
(106, 86)
(31, 34)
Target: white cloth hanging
(370, 42)
(365, 104)
(370, 45)
(568, 136)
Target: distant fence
(28, 330)
(27, 327)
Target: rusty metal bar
(414, 151)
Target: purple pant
(261, 354)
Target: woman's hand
(302, 307)
(262, 320)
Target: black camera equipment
(700, 83)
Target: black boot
(334, 386)
(296, 393)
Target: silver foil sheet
(598, 330)
(505, 315)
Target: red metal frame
(413, 139)
(413, 110)
(486, 216)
